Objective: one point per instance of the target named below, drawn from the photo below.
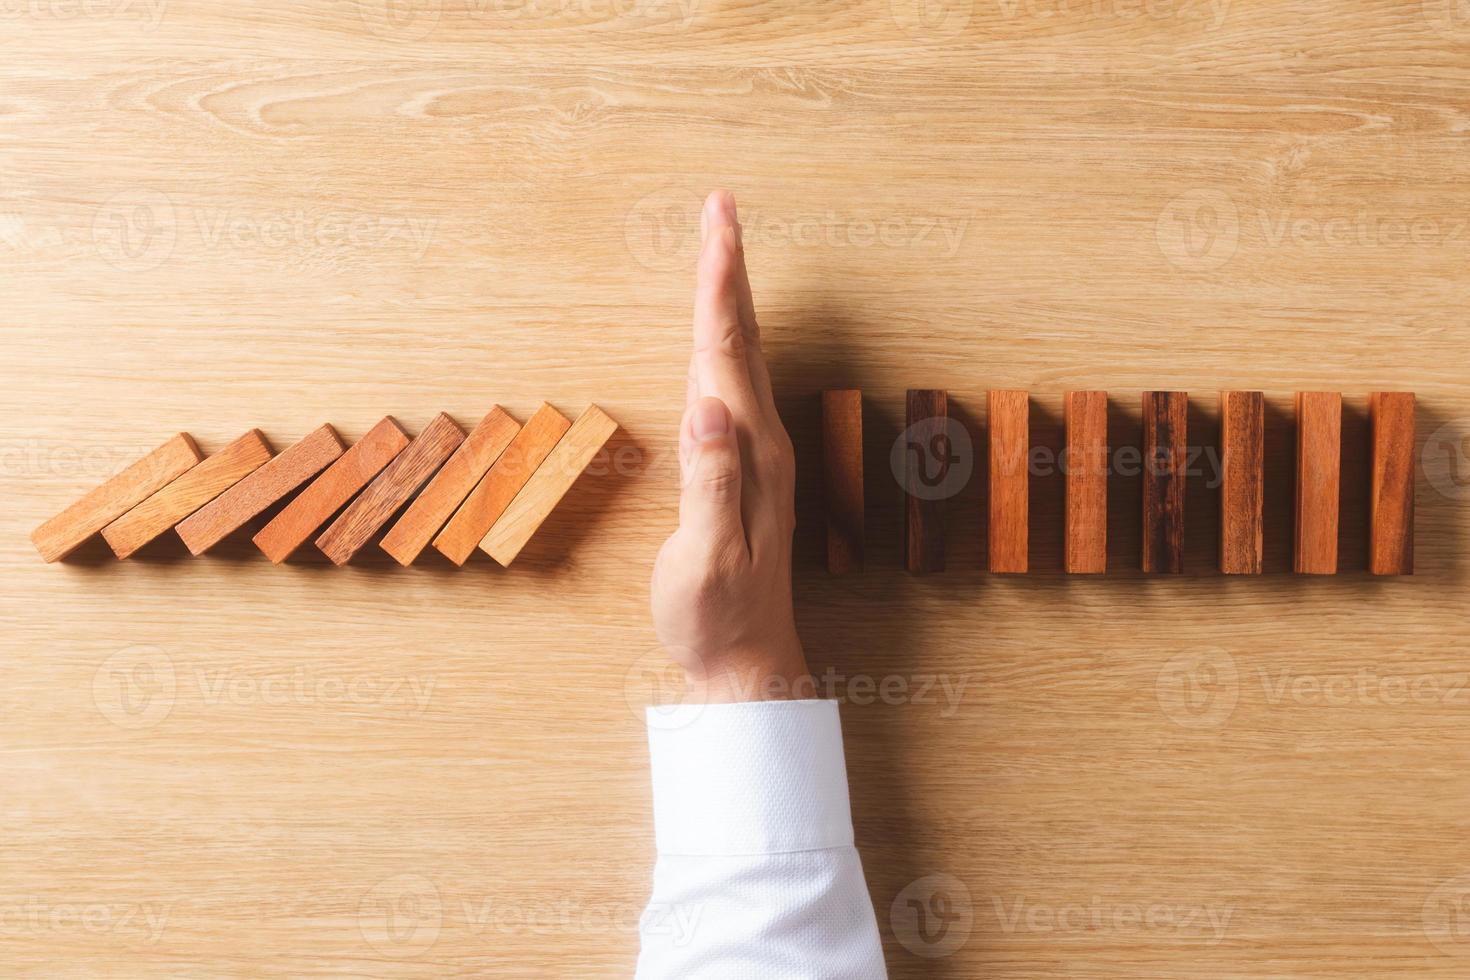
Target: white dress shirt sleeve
(757, 876)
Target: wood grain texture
(362, 209)
(1318, 486)
(328, 493)
(431, 510)
(69, 530)
(546, 487)
(483, 507)
(199, 485)
(249, 498)
(390, 490)
(1086, 464)
(1242, 481)
(1391, 536)
(1165, 459)
(842, 478)
(927, 458)
(1008, 418)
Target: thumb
(709, 507)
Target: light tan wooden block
(227, 513)
(450, 486)
(67, 531)
(197, 487)
(548, 485)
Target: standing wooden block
(926, 464)
(548, 485)
(842, 477)
(1009, 415)
(483, 507)
(1165, 455)
(197, 487)
(315, 505)
(67, 531)
(1318, 471)
(1391, 539)
(376, 505)
(1242, 481)
(228, 512)
(1087, 482)
(427, 514)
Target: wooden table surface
(220, 215)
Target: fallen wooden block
(1087, 482)
(1242, 481)
(552, 479)
(926, 413)
(1318, 472)
(325, 495)
(450, 486)
(483, 507)
(195, 488)
(227, 513)
(1165, 456)
(390, 490)
(842, 477)
(1391, 539)
(67, 531)
(1009, 420)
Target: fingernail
(711, 420)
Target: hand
(722, 582)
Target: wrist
(767, 676)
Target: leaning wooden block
(197, 487)
(325, 495)
(390, 490)
(67, 531)
(1318, 472)
(548, 485)
(1242, 480)
(1391, 539)
(1087, 482)
(433, 508)
(927, 453)
(483, 507)
(1165, 456)
(1010, 486)
(842, 477)
(227, 513)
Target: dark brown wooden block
(1165, 455)
(1391, 539)
(1242, 481)
(927, 454)
(1009, 421)
(1087, 482)
(1318, 475)
(842, 478)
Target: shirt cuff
(759, 777)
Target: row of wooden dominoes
(491, 488)
(927, 456)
